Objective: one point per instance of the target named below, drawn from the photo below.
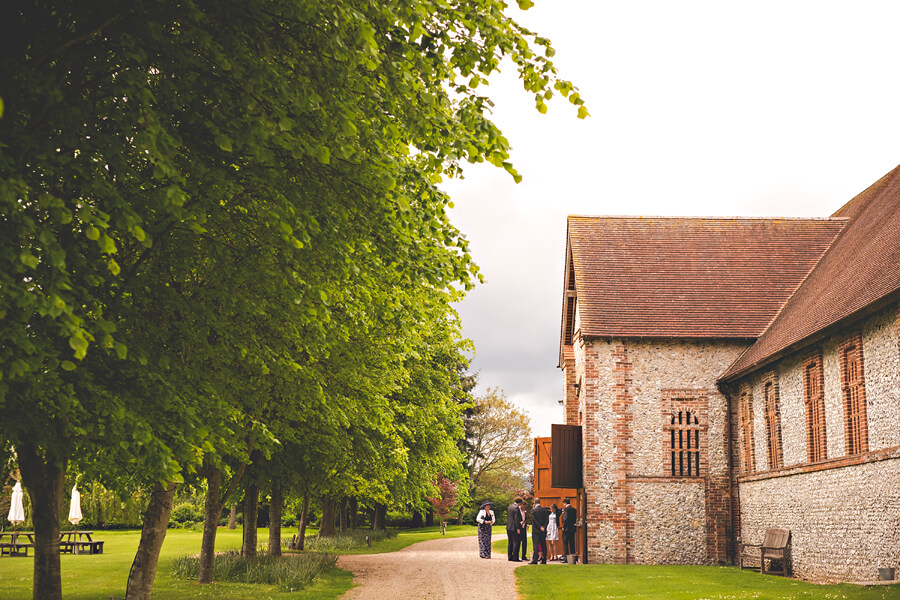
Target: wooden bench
(91, 547)
(774, 548)
(14, 548)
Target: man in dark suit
(540, 517)
(569, 516)
(513, 530)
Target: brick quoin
(623, 521)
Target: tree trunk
(44, 481)
(326, 525)
(379, 524)
(275, 519)
(429, 518)
(459, 516)
(212, 510)
(343, 517)
(232, 517)
(153, 533)
(304, 515)
(354, 508)
(417, 520)
(251, 510)
(215, 504)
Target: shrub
(290, 573)
(352, 540)
(185, 515)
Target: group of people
(553, 531)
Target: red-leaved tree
(447, 499)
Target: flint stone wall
(844, 517)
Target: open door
(543, 489)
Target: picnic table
(79, 542)
(15, 546)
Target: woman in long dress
(553, 534)
(485, 521)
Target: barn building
(727, 375)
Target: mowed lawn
(89, 577)
(665, 582)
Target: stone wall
(843, 511)
(635, 508)
(844, 522)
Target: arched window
(773, 423)
(814, 396)
(685, 444)
(853, 389)
(745, 417)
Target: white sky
(722, 108)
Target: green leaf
(114, 267)
(583, 112)
(138, 233)
(29, 260)
(67, 365)
(525, 4)
(79, 345)
(324, 155)
(223, 142)
(107, 244)
(92, 233)
(121, 350)
(1, 108)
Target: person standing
(569, 516)
(540, 517)
(553, 544)
(485, 521)
(523, 536)
(513, 530)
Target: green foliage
(185, 514)
(221, 233)
(289, 573)
(351, 540)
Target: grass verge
(88, 577)
(670, 582)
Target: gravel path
(447, 568)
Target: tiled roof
(690, 277)
(861, 269)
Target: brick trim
(853, 394)
(623, 401)
(814, 400)
(696, 402)
(745, 429)
(831, 463)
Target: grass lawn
(89, 577)
(408, 537)
(639, 582)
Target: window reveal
(685, 444)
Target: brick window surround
(745, 424)
(853, 394)
(814, 398)
(773, 421)
(685, 423)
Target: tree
(446, 498)
(501, 446)
(196, 199)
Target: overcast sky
(698, 108)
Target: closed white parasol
(75, 507)
(16, 509)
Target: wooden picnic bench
(14, 547)
(774, 548)
(79, 542)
